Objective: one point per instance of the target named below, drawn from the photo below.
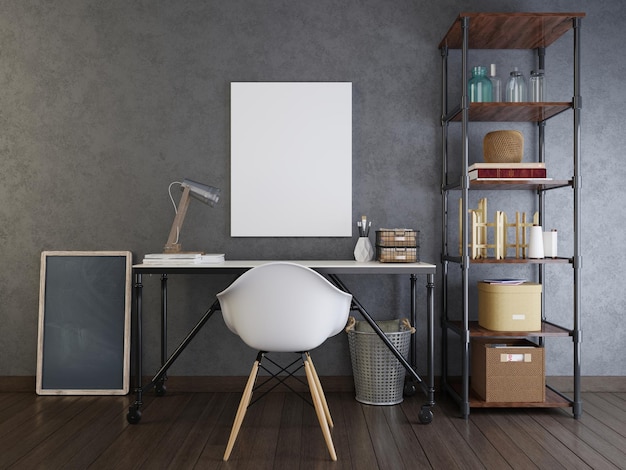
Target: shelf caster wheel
(425, 415)
(160, 389)
(409, 389)
(133, 416)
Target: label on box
(516, 358)
(518, 316)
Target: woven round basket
(503, 147)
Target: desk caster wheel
(160, 389)
(425, 415)
(409, 389)
(133, 416)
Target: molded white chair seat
(284, 307)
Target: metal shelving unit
(534, 31)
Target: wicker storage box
(397, 237)
(397, 245)
(378, 375)
(511, 371)
(397, 255)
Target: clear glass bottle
(479, 86)
(516, 87)
(537, 86)
(496, 85)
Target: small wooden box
(511, 371)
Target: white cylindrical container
(535, 242)
(550, 244)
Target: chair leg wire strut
(315, 387)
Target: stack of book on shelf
(183, 258)
(508, 171)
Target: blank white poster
(291, 159)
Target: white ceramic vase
(363, 251)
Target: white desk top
(323, 266)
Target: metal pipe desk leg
(425, 414)
(134, 415)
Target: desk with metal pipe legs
(331, 269)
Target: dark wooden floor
(189, 430)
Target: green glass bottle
(479, 86)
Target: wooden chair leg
(320, 390)
(241, 411)
(319, 409)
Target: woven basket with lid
(503, 147)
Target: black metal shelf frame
(462, 394)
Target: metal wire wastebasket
(378, 375)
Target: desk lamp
(207, 194)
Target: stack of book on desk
(507, 171)
(183, 258)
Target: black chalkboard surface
(84, 323)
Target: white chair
(284, 307)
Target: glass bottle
(479, 86)
(537, 86)
(496, 85)
(516, 87)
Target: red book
(522, 173)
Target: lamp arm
(172, 245)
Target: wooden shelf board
(457, 259)
(553, 400)
(509, 30)
(477, 331)
(520, 261)
(521, 184)
(510, 185)
(512, 112)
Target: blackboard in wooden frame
(83, 345)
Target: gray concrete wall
(103, 104)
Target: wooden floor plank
(577, 438)
(340, 433)
(605, 412)
(512, 423)
(360, 452)
(443, 446)
(167, 448)
(387, 452)
(484, 449)
(75, 434)
(597, 434)
(190, 430)
(267, 426)
(614, 400)
(411, 452)
(487, 421)
(10, 402)
(138, 442)
(549, 442)
(215, 445)
(289, 446)
(208, 407)
(314, 453)
(31, 426)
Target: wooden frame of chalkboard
(83, 345)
